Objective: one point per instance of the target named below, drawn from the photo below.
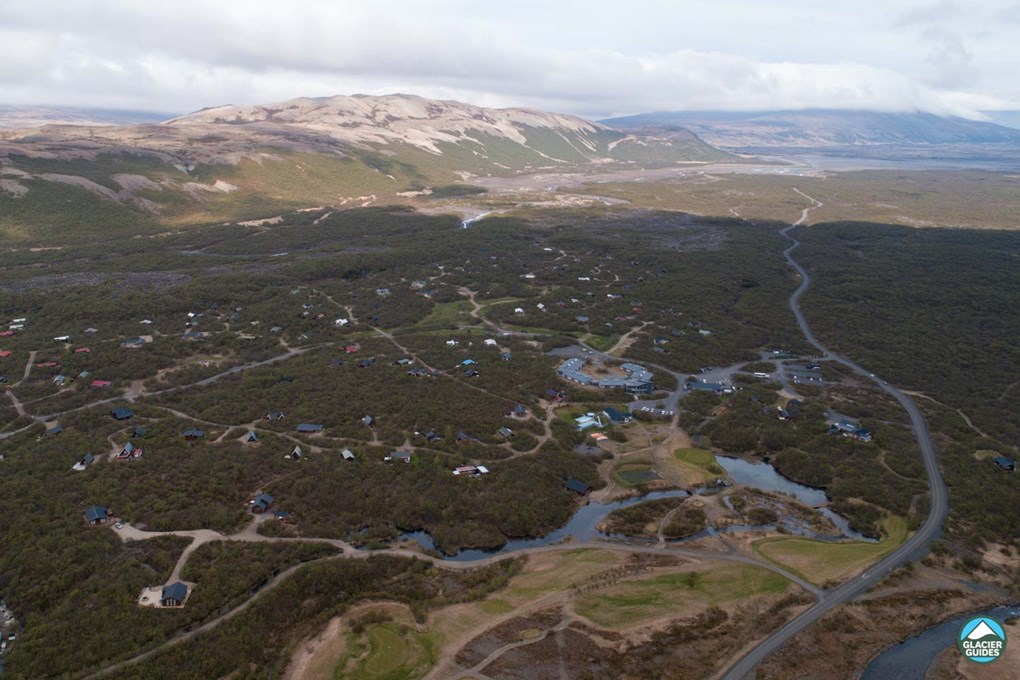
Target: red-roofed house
(101, 383)
(5, 353)
(82, 350)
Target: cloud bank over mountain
(593, 58)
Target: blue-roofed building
(577, 486)
(122, 413)
(1005, 463)
(174, 595)
(95, 515)
(309, 428)
(261, 503)
(617, 416)
(193, 434)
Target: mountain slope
(825, 128)
(235, 162)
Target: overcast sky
(594, 58)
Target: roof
(1003, 461)
(347, 454)
(194, 432)
(577, 486)
(309, 427)
(122, 413)
(95, 513)
(263, 500)
(175, 591)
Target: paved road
(914, 548)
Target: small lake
(911, 659)
(581, 527)
(764, 477)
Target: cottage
(62, 338)
(471, 373)
(140, 431)
(340, 323)
(57, 428)
(1007, 464)
(261, 503)
(577, 486)
(431, 437)
(309, 428)
(251, 437)
(82, 350)
(5, 353)
(133, 343)
(506, 432)
(352, 348)
(96, 515)
(463, 437)
(347, 454)
(489, 342)
(275, 415)
(98, 384)
(506, 356)
(587, 421)
(368, 421)
(402, 456)
(173, 595)
(365, 363)
(82, 464)
(122, 413)
(59, 380)
(129, 452)
(193, 434)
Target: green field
(636, 476)
(820, 561)
(631, 603)
(699, 457)
(387, 651)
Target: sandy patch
(13, 187)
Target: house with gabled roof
(402, 456)
(260, 503)
(193, 434)
(275, 415)
(347, 454)
(96, 515)
(122, 413)
(251, 437)
(309, 428)
(174, 595)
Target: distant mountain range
(824, 128)
(222, 162)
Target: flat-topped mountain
(821, 128)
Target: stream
(911, 659)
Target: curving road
(914, 548)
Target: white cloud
(592, 58)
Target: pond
(764, 477)
(581, 527)
(911, 659)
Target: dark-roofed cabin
(96, 515)
(1007, 464)
(193, 434)
(617, 416)
(275, 415)
(309, 428)
(251, 437)
(261, 503)
(56, 429)
(577, 486)
(174, 595)
(122, 413)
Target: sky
(593, 58)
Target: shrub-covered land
(933, 310)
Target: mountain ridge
(820, 128)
